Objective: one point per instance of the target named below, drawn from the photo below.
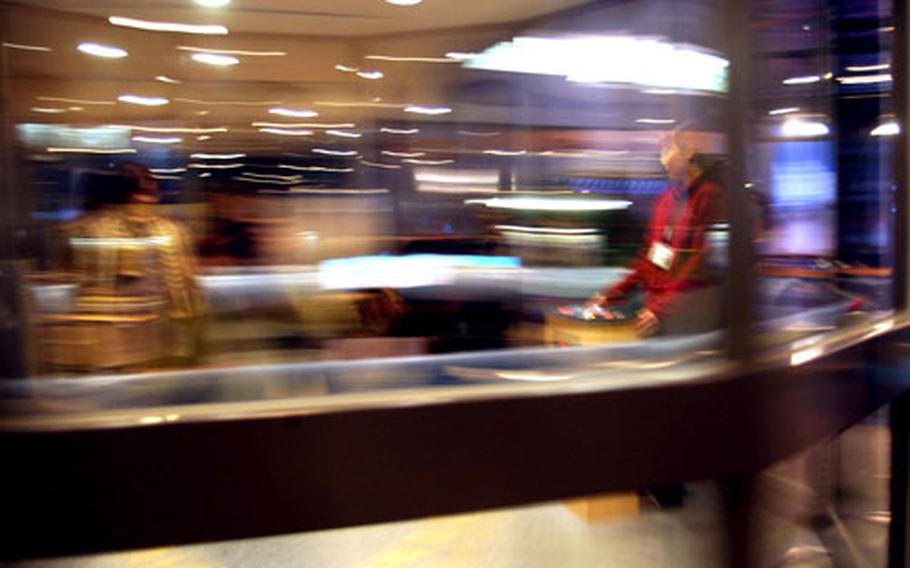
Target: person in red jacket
(673, 269)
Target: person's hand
(646, 323)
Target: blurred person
(136, 300)
(672, 272)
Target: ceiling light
(799, 128)
(371, 75)
(315, 168)
(802, 80)
(203, 138)
(197, 166)
(25, 47)
(402, 131)
(785, 110)
(505, 152)
(404, 2)
(167, 170)
(48, 110)
(293, 112)
(417, 109)
(346, 69)
(370, 104)
(286, 131)
(411, 59)
(168, 26)
(334, 152)
(551, 204)
(403, 154)
(244, 52)
(863, 68)
(144, 101)
(228, 103)
(460, 55)
(75, 108)
(213, 3)
(217, 156)
(166, 79)
(205, 174)
(343, 134)
(865, 79)
(303, 125)
(890, 128)
(215, 59)
(58, 150)
(428, 162)
(655, 121)
(476, 133)
(99, 50)
(76, 101)
(168, 129)
(154, 140)
(381, 165)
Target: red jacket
(704, 206)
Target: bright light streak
(48, 110)
(297, 113)
(201, 156)
(170, 130)
(334, 152)
(461, 55)
(362, 104)
(417, 109)
(371, 75)
(286, 131)
(153, 140)
(428, 162)
(166, 79)
(59, 150)
(241, 52)
(151, 420)
(75, 101)
(404, 2)
(144, 101)
(167, 177)
(25, 47)
(343, 133)
(304, 125)
(448, 188)
(167, 170)
(203, 112)
(785, 110)
(505, 152)
(340, 191)
(265, 181)
(168, 26)
(547, 230)
(660, 91)
(403, 154)
(411, 59)
(458, 177)
(799, 128)
(315, 169)
(655, 121)
(205, 174)
(278, 177)
(98, 50)
(402, 131)
(864, 68)
(551, 204)
(228, 103)
(381, 165)
(203, 138)
(346, 69)
(802, 80)
(197, 166)
(532, 376)
(865, 79)
(215, 59)
(608, 59)
(805, 355)
(213, 3)
(890, 128)
(478, 134)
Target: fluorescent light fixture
(228, 103)
(784, 110)
(801, 128)
(417, 109)
(403, 154)
(327, 152)
(166, 79)
(203, 138)
(25, 47)
(865, 79)
(156, 140)
(401, 131)
(505, 152)
(346, 69)
(343, 133)
(319, 125)
(169, 129)
(608, 59)
(167, 170)
(551, 204)
(200, 156)
(398, 59)
(865, 68)
(297, 113)
(59, 150)
(48, 110)
(197, 166)
(428, 162)
(380, 165)
(143, 101)
(241, 52)
(98, 50)
(546, 230)
(404, 2)
(890, 128)
(655, 121)
(371, 75)
(287, 131)
(168, 26)
(215, 59)
(802, 80)
(213, 3)
(75, 101)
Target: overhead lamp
(784, 110)
(401, 131)
(346, 69)
(801, 128)
(166, 79)
(213, 3)
(343, 133)
(890, 128)
(302, 113)
(802, 80)
(144, 101)
(48, 110)
(404, 2)
(417, 109)
(286, 131)
(327, 152)
(217, 156)
(216, 59)
(167, 26)
(552, 204)
(371, 75)
(158, 140)
(98, 50)
(655, 121)
(243, 52)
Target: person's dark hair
(102, 189)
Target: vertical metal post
(899, 529)
(899, 70)
(738, 305)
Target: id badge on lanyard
(661, 254)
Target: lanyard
(680, 204)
